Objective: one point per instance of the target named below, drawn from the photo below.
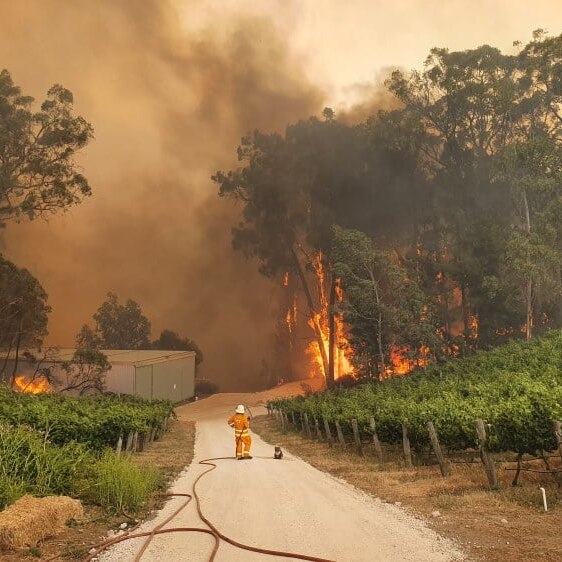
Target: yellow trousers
(243, 445)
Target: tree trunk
(465, 315)
(330, 379)
(16, 361)
(559, 319)
(529, 287)
(3, 369)
(313, 314)
(379, 323)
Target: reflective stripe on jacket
(241, 425)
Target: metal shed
(150, 374)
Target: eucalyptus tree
(385, 306)
(23, 313)
(38, 169)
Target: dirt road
(282, 505)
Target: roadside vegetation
(53, 445)
(62, 445)
(516, 389)
(507, 525)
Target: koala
(278, 452)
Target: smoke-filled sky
(170, 86)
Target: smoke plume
(168, 107)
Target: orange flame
(31, 386)
(402, 364)
(342, 362)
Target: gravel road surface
(282, 505)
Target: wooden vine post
(318, 430)
(135, 442)
(307, 426)
(407, 448)
(283, 427)
(119, 446)
(558, 432)
(437, 449)
(129, 445)
(485, 455)
(376, 442)
(141, 441)
(340, 434)
(357, 437)
(328, 431)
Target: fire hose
(213, 531)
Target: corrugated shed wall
(121, 379)
(188, 381)
(174, 380)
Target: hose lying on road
(213, 531)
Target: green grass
(120, 484)
(30, 464)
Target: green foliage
(120, 484)
(38, 172)
(95, 421)
(517, 389)
(62, 445)
(172, 341)
(118, 326)
(85, 372)
(23, 308)
(30, 464)
(384, 305)
(203, 386)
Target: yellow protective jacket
(241, 425)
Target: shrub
(516, 389)
(29, 463)
(120, 484)
(97, 421)
(204, 386)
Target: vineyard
(516, 390)
(98, 421)
(61, 445)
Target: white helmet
(240, 409)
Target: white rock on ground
(282, 505)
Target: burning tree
(295, 187)
(291, 196)
(392, 325)
(23, 314)
(459, 191)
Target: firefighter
(241, 424)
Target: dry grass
(170, 455)
(470, 512)
(30, 520)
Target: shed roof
(128, 356)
